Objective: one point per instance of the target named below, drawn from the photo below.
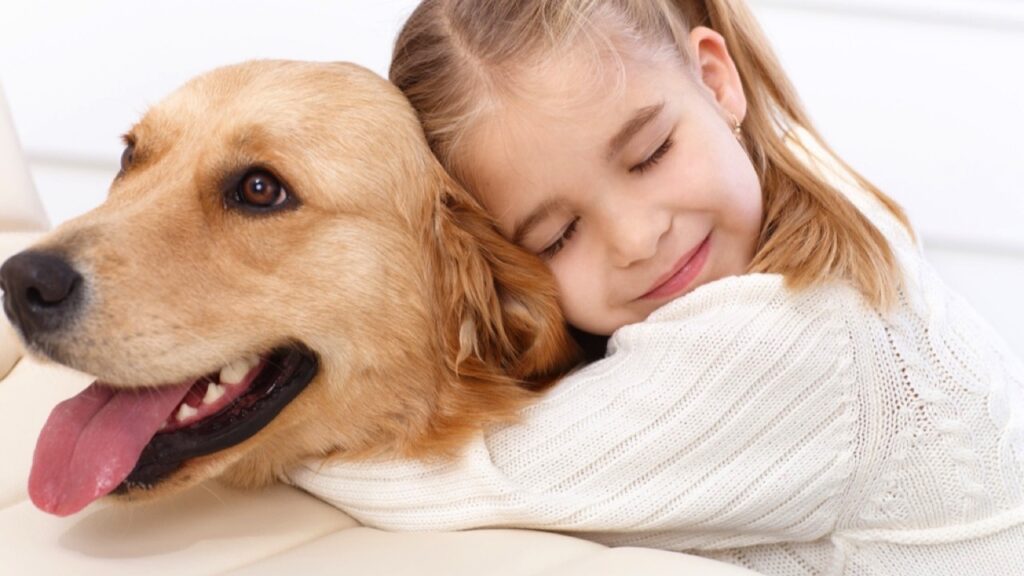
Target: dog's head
(281, 270)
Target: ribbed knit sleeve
(726, 419)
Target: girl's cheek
(577, 281)
(566, 277)
(745, 192)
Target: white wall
(927, 102)
(923, 96)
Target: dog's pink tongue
(91, 443)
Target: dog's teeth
(235, 372)
(185, 412)
(213, 393)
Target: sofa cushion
(20, 206)
(206, 530)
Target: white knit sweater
(791, 433)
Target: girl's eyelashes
(556, 246)
(567, 234)
(653, 158)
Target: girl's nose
(633, 236)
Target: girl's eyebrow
(641, 118)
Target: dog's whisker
(205, 486)
(188, 331)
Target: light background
(922, 96)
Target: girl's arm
(726, 419)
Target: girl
(787, 385)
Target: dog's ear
(500, 299)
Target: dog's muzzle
(42, 292)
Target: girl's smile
(682, 274)
(626, 177)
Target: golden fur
(427, 324)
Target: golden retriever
(281, 270)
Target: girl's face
(635, 194)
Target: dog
(281, 270)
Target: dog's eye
(127, 156)
(259, 189)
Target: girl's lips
(682, 274)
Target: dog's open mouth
(108, 439)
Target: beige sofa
(217, 530)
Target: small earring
(737, 126)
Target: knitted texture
(789, 432)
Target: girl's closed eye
(653, 159)
(556, 246)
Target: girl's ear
(501, 301)
(717, 71)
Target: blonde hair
(452, 56)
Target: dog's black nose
(41, 291)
